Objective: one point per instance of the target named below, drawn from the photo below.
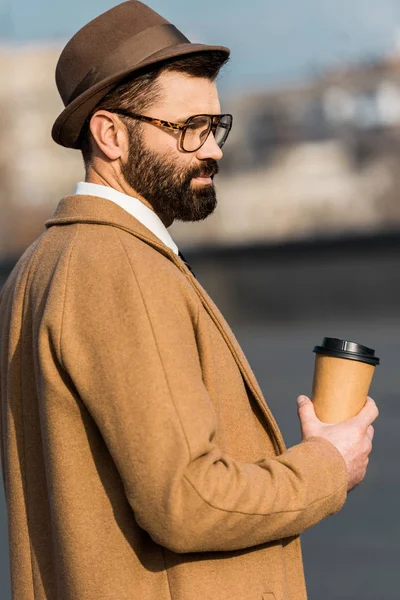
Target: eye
(198, 123)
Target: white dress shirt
(137, 209)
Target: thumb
(306, 412)
(305, 406)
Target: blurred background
(305, 242)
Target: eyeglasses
(195, 131)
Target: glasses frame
(182, 127)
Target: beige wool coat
(140, 460)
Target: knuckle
(361, 435)
(300, 406)
(374, 407)
(360, 477)
(302, 415)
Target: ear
(109, 134)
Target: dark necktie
(186, 262)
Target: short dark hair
(138, 92)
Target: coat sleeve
(128, 342)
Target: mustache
(208, 168)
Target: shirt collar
(132, 205)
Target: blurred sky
(272, 41)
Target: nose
(210, 149)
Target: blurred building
(317, 159)
(311, 160)
(35, 172)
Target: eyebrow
(184, 119)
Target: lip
(203, 180)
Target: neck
(93, 176)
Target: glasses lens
(222, 131)
(196, 132)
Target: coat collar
(83, 209)
(96, 210)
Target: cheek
(166, 146)
(162, 141)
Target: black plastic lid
(346, 349)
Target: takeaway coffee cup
(342, 378)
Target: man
(139, 457)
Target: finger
(372, 405)
(370, 433)
(367, 446)
(368, 414)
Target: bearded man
(139, 457)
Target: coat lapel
(241, 362)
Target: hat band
(130, 54)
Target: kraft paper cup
(342, 378)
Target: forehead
(182, 96)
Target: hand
(353, 438)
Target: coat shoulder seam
(71, 250)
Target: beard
(168, 187)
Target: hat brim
(69, 123)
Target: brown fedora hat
(122, 40)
